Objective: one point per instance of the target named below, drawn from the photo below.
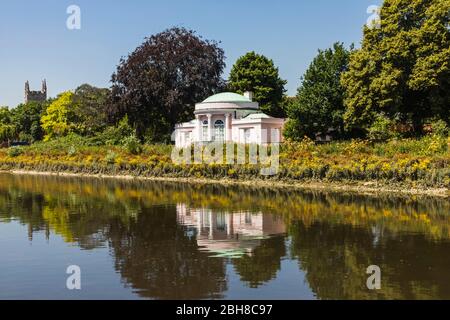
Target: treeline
(154, 88)
(396, 85)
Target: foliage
(257, 73)
(440, 128)
(7, 128)
(113, 135)
(90, 103)
(319, 105)
(159, 83)
(15, 152)
(56, 120)
(27, 120)
(110, 157)
(132, 144)
(410, 163)
(403, 67)
(72, 150)
(381, 129)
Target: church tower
(37, 96)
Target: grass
(410, 162)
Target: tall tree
(320, 99)
(160, 82)
(257, 73)
(403, 67)
(7, 128)
(58, 118)
(90, 103)
(27, 119)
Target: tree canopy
(403, 67)
(27, 120)
(257, 73)
(7, 127)
(159, 83)
(90, 103)
(319, 104)
(56, 121)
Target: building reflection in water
(229, 234)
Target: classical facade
(229, 117)
(37, 96)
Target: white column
(198, 124)
(209, 127)
(228, 127)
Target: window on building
(219, 130)
(205, 130)
(247, 135)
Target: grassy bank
(417, 164)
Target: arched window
(205, 130)
(219, 130)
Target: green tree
(159, 83)
(319, 105)
(56, 121)
(27, 120)
(7, 128)
(257, 73)
(90, 103)
(403, 66)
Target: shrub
(381, 129)
(132, 145)
(114, 135)
(110, 157)
(440, 128)
(15, 152)
(72, 151)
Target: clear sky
(35, 42)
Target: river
(155, 240)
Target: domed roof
(227, 97)
(226, 101)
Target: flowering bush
(423, 162)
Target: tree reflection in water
(175, 240)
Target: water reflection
(229, 234)
(178, 241)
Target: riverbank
(368, 188)
(408, 166)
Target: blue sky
(35, 42)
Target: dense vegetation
(386, 104)
(319, 104)
(407, 162)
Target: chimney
(248, 95)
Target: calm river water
(152, 240)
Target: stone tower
(37, 96)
